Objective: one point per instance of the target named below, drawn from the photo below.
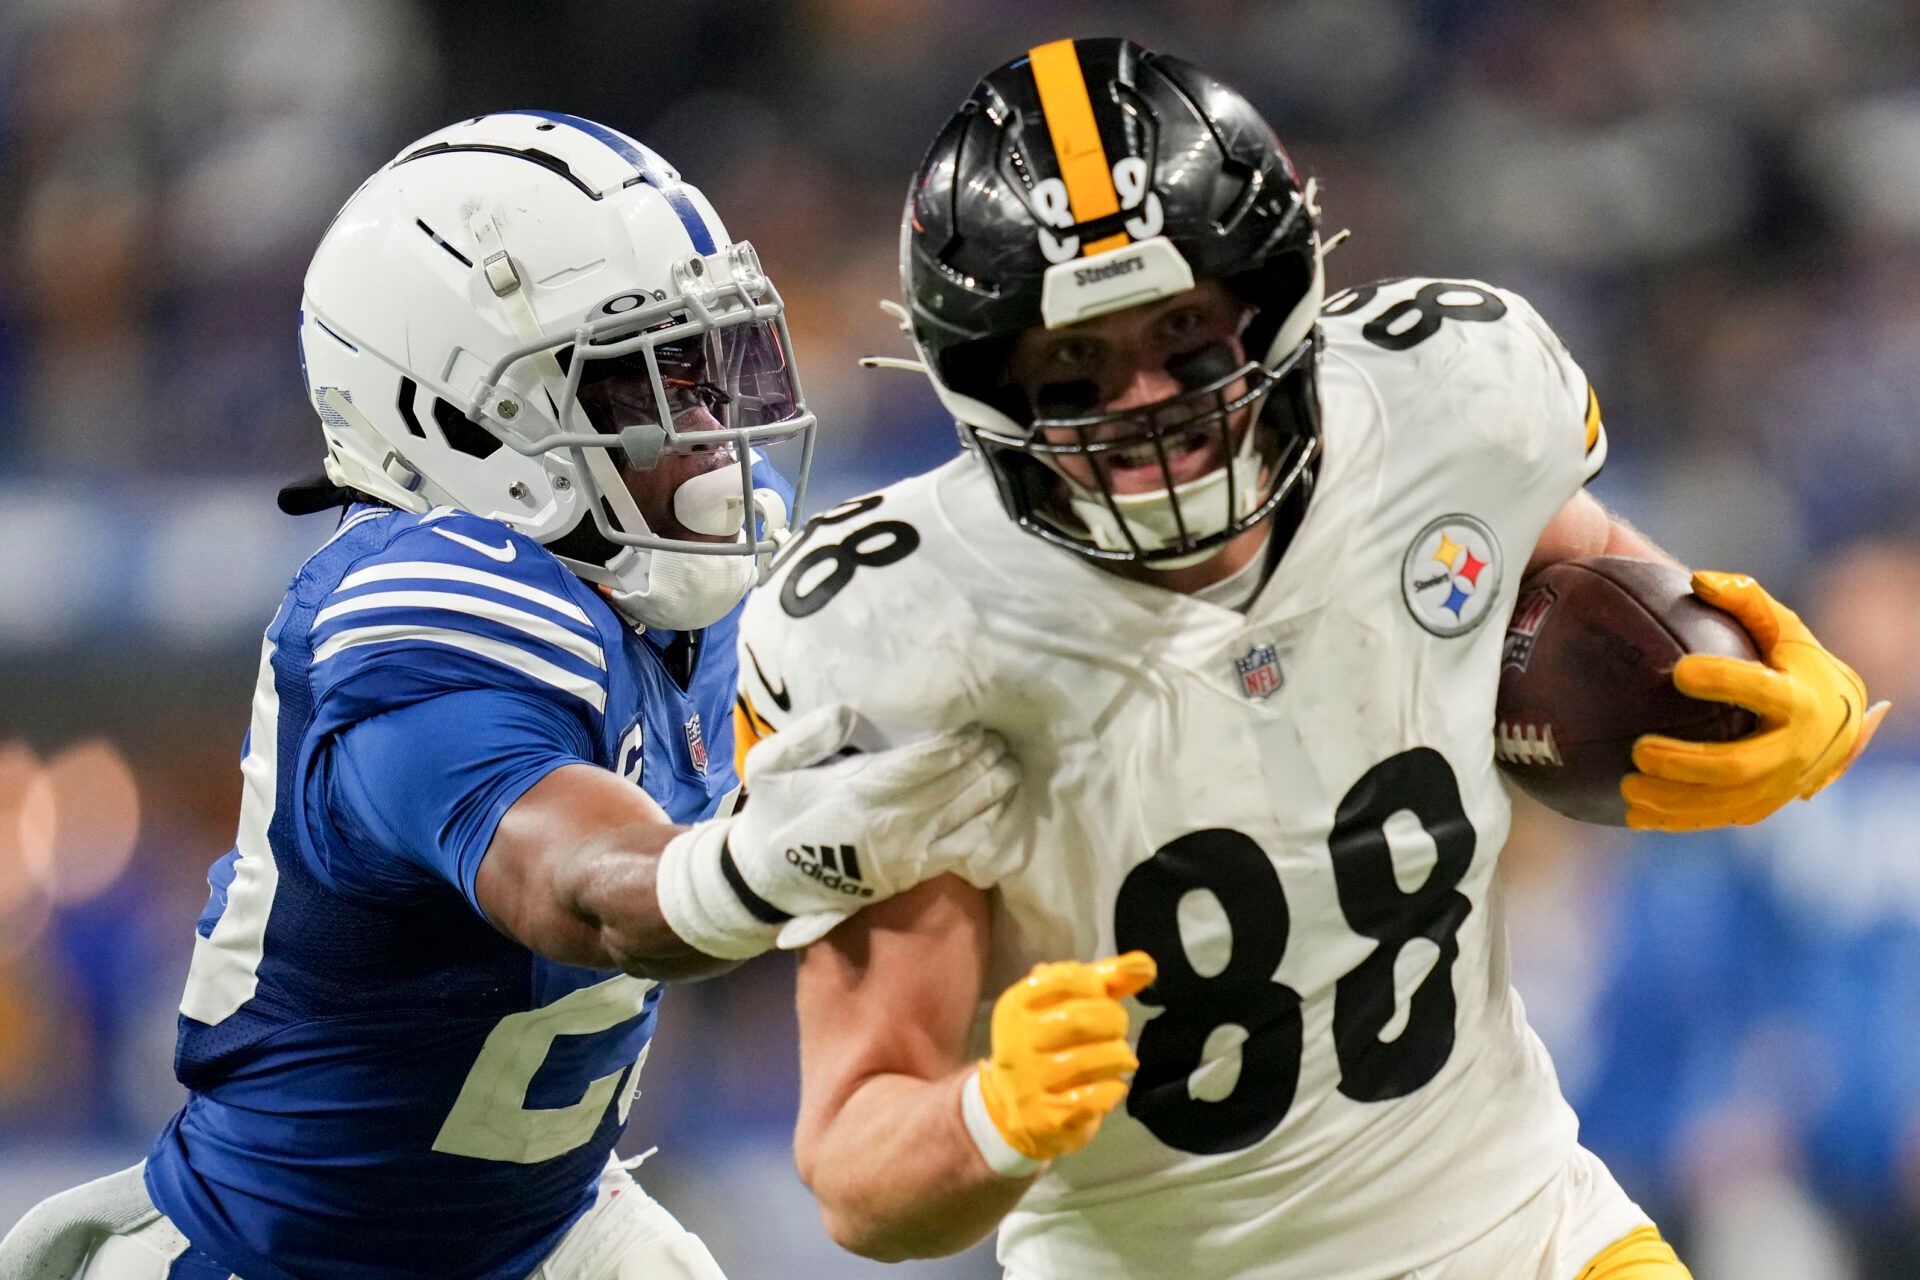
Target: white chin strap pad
(1149, 516)
(685, 590)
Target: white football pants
(109, 1230)
(1553, 1236)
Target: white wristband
(699, 901)
(1001, 1156)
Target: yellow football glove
(1812, 708)
(1060, 1053)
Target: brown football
(1588, 668)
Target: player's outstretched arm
(570, 874)
(914, 1150)
(585, 868)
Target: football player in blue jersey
(488, 784)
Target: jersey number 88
(1240, 876)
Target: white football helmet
(521, 305)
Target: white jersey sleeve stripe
(498, 651)
(462, 573)
(225, 971)
(540, 628)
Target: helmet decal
(647, 165)
(1091, 186)
(1084, 179)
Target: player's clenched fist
(1059, 1063)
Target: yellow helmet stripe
(1076, 138)
(1593, 417)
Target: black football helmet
(1082, 178)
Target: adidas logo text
(839, 870)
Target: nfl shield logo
(1259, 672)
(696, 745)
(1529, 615)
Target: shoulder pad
(1480, 340)
(856, 612)
(470, 599)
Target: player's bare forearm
(609, 887)
(1585, 528)
(887, 1004)
(570, 874)
(898, 1177)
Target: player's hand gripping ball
(1814, 721)
(1633, 695)
(1060, 1055)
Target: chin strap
(393, 481)
(1149, 517)
(507, 286)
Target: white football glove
(828, 829)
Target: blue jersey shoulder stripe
(517, 657)
(433, 604)
(643, 162)
(440, 571)
(575, 655)
(472, 586)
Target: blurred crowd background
(1716, 202)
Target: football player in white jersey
(1228, 565)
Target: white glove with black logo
(828, 829)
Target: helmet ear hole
(462, 433)
(409, 392)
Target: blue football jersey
(382, 1083)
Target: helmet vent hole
(544, 159)
(436, 237)
(336, 337)
(463, 434)
(409, 389)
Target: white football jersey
(1294, 808)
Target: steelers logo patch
(1451, 575)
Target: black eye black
(1066, 399)
(1209, 364)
